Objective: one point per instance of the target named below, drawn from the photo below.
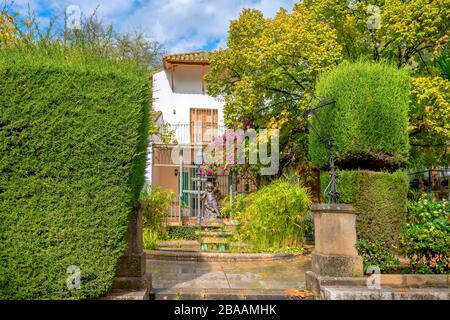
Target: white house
(185, 109)
(180, 88)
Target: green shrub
(227, 208)
(183, 233)
(308, 225)
(73, 135)
(368, 123)
(272, 217)
(426, 237)
(155, 205)
(150, 239)
(380, 200)
(377, 253)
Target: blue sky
(181, 25)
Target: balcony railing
(193, 133)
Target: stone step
(174, 243)
(226, 294)
(205, 222)
(215, 256)
(179, 245)
(214, 240)
(215, 233)
(385, 293)
(213, 223)
(126, 295)
(181, 249)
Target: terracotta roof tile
(188, 57)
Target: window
(203, 125)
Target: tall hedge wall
(369, 121)
(72, 157)
(379, 198)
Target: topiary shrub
(368, 123)
(379, 198)
(272, 217)
(73, 135)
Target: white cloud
(185, 25)
(181, 25)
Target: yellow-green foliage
(272, 217)
(264, 73)
(368, 123)
(155, 205)
(430, 121)
(73, 135)
(380, 200)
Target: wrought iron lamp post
(327, 140)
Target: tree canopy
(268, 71)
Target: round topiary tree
(367, 128)
(369, 121)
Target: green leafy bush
(150, 239)
(377, 253)
(155, 205)
(73, 135)
(380, 200)
(308, 225)
(183, 233)
(368, 123)
(227, 208)
(426, 237)
(272, 217)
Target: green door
(185, 182)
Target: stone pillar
(334, 253)
(131, 274)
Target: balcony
(201, 133)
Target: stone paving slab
(363, 293)
(192, 284)
(126, 295)
(176, 255)
(222, 294)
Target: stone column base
(312, 283)
(132, 281)
(143, 282)
(132, 264)
(337, 265)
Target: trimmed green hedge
(379, 198)
(73, 134)
(369, 121)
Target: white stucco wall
(187, 95)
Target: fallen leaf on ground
(295, 293)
